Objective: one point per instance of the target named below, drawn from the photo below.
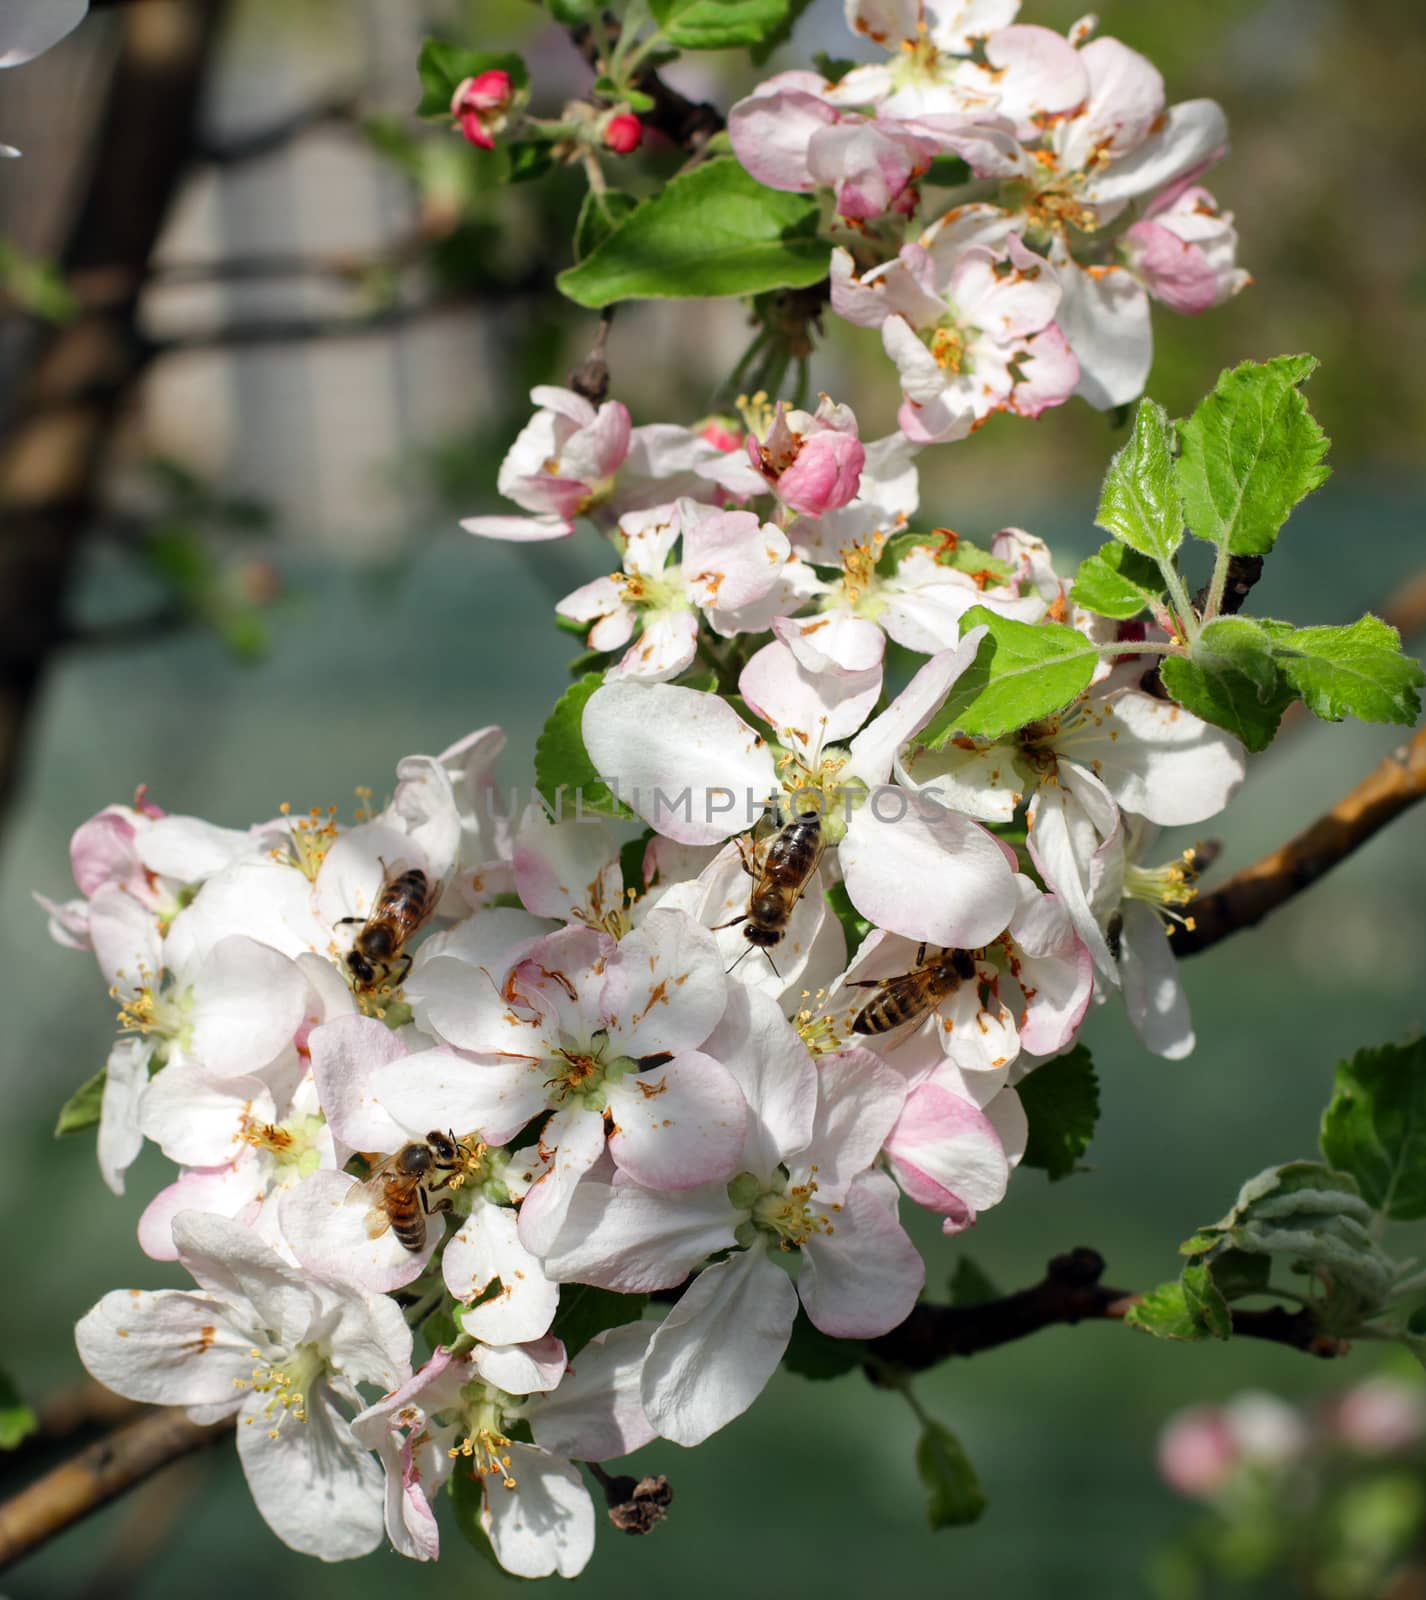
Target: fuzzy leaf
(1232, 680)
(562, 762)
(1204, 1301)
(1165, 1313)
(1249, 453)
(1061, 1102)
(1353, 671)
(816, 1355)
(711, 231)
(954, 1496)
(1022, 671)
(1117, 581)
(1140, 502)
(1375, 1127)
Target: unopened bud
(480, 106)
(623, 132)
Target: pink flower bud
(1197, 1452)
(623, 132)
(480, 105)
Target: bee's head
(359, 967)
(444, 1146)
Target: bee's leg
(748, 856)
(868, 983)
(405, 972)
(435, 1206)
(921, 954)
(341, 922)
(733, 924)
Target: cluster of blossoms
(1030, 281)
(614, 1073)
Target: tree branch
(1248, 896)
(341, 109)
(98, 1475)
(689, 124)
(1070, 1292)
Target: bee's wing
(371, 1190)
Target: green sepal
(82, 1109)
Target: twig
(591, 377)
(1070, 1292)
(98, 1475)
(1247, 897)
(689, 124)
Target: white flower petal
(860, 1277)
(678, 1125)
(546, 1523)
(485, 1247)
(596, 1413)
(634, 1240)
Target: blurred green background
(396, 633)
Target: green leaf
(599, 216)
(854, 925)
(570, 13)
(1375, 1127)
(1140, 501)
(1165, 1313)
(1061, 1102)
(711, 231)
(1354, 671)
(17, 1420)
(970, 1286)
(584, 1311)
(1238, 1273)
(440, 1328)
(444, 67)
(725, 24)
(1117, 581)
(954, 1496)
(81, 1110)
(562, 763)
(1249, 453)
(817, 1355)
(36, 286)
(1204, 1301)
(1231, 680)
(1022, 671)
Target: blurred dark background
(254, 363)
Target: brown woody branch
(98, 1475)
(1247, 897)
(1070, 1292)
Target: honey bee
(781, 866)
(405, 901)
(911, 995)
(399, 1189)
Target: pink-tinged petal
(810, 709)
(731, 559)
(1104, 314)
(545, 1524)
(121, 1136)
(955, 25)
(248, 1002)
(333, 1226)
(531, 1368)
(874, 749)
(978, 1036)
(1051, 373)
(1006, 300)
(635, 1240)
(225, 1191)
(825, 475)
(891, 22)
(715, 1351)
(104, 850)
(125, 938)
(762, 1052)
(519, 530)
(165, 1346)
(456, 987)
(1173, 270)
(859, 1100)
(230, 1260)
(487, 1096)
(664, 987)
(1034, 73)
(833, 641)
(568, 870)
(1193, 136)
(944, 1145)
(930, 874)
(346, 1054)
(860, 1277)
(575, 1138)
(923, 379)
(665, 648)
(649, 535)
(684, 761)
(770, 130)
(1153, 988)
(1126, 99)
(1054, 970)
(486, 1247)
(862, 303)
(564, 403)
(603, 597)
(596, 1413)
(678, 1125)
(315, 1487)
(1157, 759)
(412, 1477)
(595, 453)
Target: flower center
(580, 1072)
(309, 839)
(286, 1382)
(654, 592)
(859, 578)
(947, 344)
(814, 1027)
(155, 1013)
(484, 1443)
(292, 1144)
(784, 1213)
(817, 789)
